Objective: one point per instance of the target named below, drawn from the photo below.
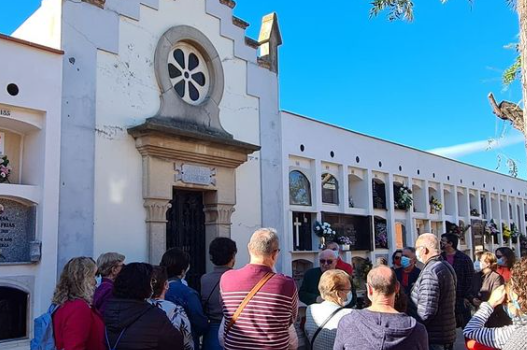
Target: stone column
(218, 219)
(217, 223)
(156, 227)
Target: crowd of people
(418, 303)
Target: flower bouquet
(381, 235)
(325, 232)
(345, 242)
(457, 230)
(491, 230)
(506, 232)
(403, 198)
(435, 205)
(515, 233)
(5, 169)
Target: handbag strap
(206, 305)
(322, 326)
(248, 298)
(114, 347)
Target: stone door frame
(164, 149)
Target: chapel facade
(160, 127)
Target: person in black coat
(131, 322)
(433, 296)
(464, 268)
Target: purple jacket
(103, 293)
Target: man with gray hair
(259, 306)
(433, 296)
(309, 293)
(380, 326)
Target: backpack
(44, 339)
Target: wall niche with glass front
(10, 156)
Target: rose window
(188, 73)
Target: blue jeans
(210, 340)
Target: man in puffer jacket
(433, 296)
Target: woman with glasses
(512, 298)
(131, 322)
(322, 319)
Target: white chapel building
(143, 125)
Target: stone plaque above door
(195, 174)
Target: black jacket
(433, 300)
(482, 287)
(464, 268)
(147, 327)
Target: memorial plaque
(17, 230)
(197, 175)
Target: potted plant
(403, 198)
(5, 169)
(345, 243)
(435, 205)
(325, 232)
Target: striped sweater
(492, 337)
(264, 322)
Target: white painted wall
(319, 139)
(44, 25)
(127, 94)
(36, 114)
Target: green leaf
(513, 72)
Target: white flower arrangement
(324, 230)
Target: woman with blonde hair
(108, 266)
(322, 319)
(76, 325)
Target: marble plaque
(17, 230)
(197, 175)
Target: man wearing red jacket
(341, 264)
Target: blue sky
(423, 84)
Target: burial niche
(13, 313)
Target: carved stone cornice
(218, 214)
(156, 210)
(168, 139)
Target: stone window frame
(170, 98)
(26, 284)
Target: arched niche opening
(299, 189)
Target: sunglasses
(397, 258)
(326, 262)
